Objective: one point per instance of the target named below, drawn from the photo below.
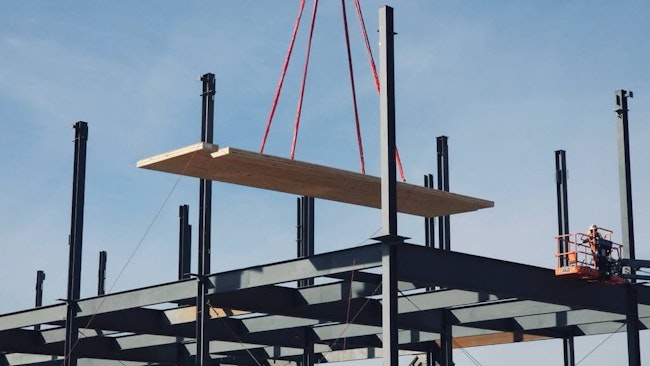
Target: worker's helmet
(593, 227)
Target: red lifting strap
(284, 72)
(371, 60)
(304, 79)
(354, 93)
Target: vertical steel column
(40, 277)
(446, 340)
(562, 200)
(443, 185)
(624, 173)
(305, 248)
(305, 232)
(569, 351)
(429, 235)
(184, 242)
(429, 222)
(389, 304)
(308, 357)
(627, 223)
(75, 242)
(389, 236)
(387, 122)
(101, 273)
(205, 217)
(562, 229)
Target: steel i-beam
(305, 232)
(429, 226)
(205, 217)
(562, 200)
(40, 277)
(75, 242)
(101, 273)
(389, 236)
(184, 242)
(444, 239)
(563, 229)
(627, 223)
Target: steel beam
(418, 263)
(389, 236)
(429, 222)
(569, 351)
(625, 173)
(357, 258)
(389, 304)
(305, 233)
(632, 327)
(562, 200)
(563, 229)
(184, 242)
(75, 241)
(101, 273)
(627, 221)
(444, 238)
(205, 218)
(387, 122)
(446, 340)
(38, 302)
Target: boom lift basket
(578, 256)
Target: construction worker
(601, 250)
(592, 238)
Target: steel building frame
(404, 298)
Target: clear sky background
(508, 81)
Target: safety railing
(577, 249)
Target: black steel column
(205, 217)
(429, 234)
(305, 232)
(101, 274)
(184, 242)
(429, 222)
(562, 201)
(387, 122)
(563, 229)
(446, 340)
(632, 324)
(75, 242)
(569, 351)
(389, 236)
(40, 277)
(624, 173)
(444, 239)
(627, 223)
(305, 248)
(308, 357)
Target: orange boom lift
(591, 256)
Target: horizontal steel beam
(451, 269)
(347, 260)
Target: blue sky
(508, 81)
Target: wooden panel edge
(143, 163)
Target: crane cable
(304, 79)
(282, 75)
(354, 93)
(600, 344)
